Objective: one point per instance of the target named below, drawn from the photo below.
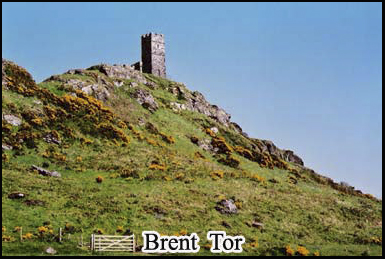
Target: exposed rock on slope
(3, 75)
(146, 100)
(12, 119)
(286, 155)
(120, 71)
(195, 101)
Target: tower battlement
(152, 34)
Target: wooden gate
(102, 243)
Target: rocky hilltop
(109, 149)
(101, 85)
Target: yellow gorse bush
(6, 238)
(17, 229)
(151, 142)
(244, 152)
(302, 251)
(122, 125)
(111, 131)
(210, 132)
(183, 232)
(376, 240)
(289, 251)
(27, 236)
(168, 139)
(5, 157)
(119, 229)
(137, 134)
(222, 146)
(257, 178)
(198, 155)
(37, 121)
(155, 166)
(217, 174)
(86, 141)
(42, 229)
(167, 178)
(254, 244)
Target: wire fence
(94, 242)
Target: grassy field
(157, 180)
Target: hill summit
(109, 149)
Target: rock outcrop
(146, 100)
(120, 71)
(45, 172)
(12, 119)
(16, 195)
(3, 74)
(98, 87)
(286, 155)
(196, 102)
(226, 207)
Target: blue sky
(307, 76)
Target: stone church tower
(153, 54)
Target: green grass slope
(152, 176)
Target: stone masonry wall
(153, 54)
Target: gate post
(92, 242)
(133, 243)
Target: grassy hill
(136, 152)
